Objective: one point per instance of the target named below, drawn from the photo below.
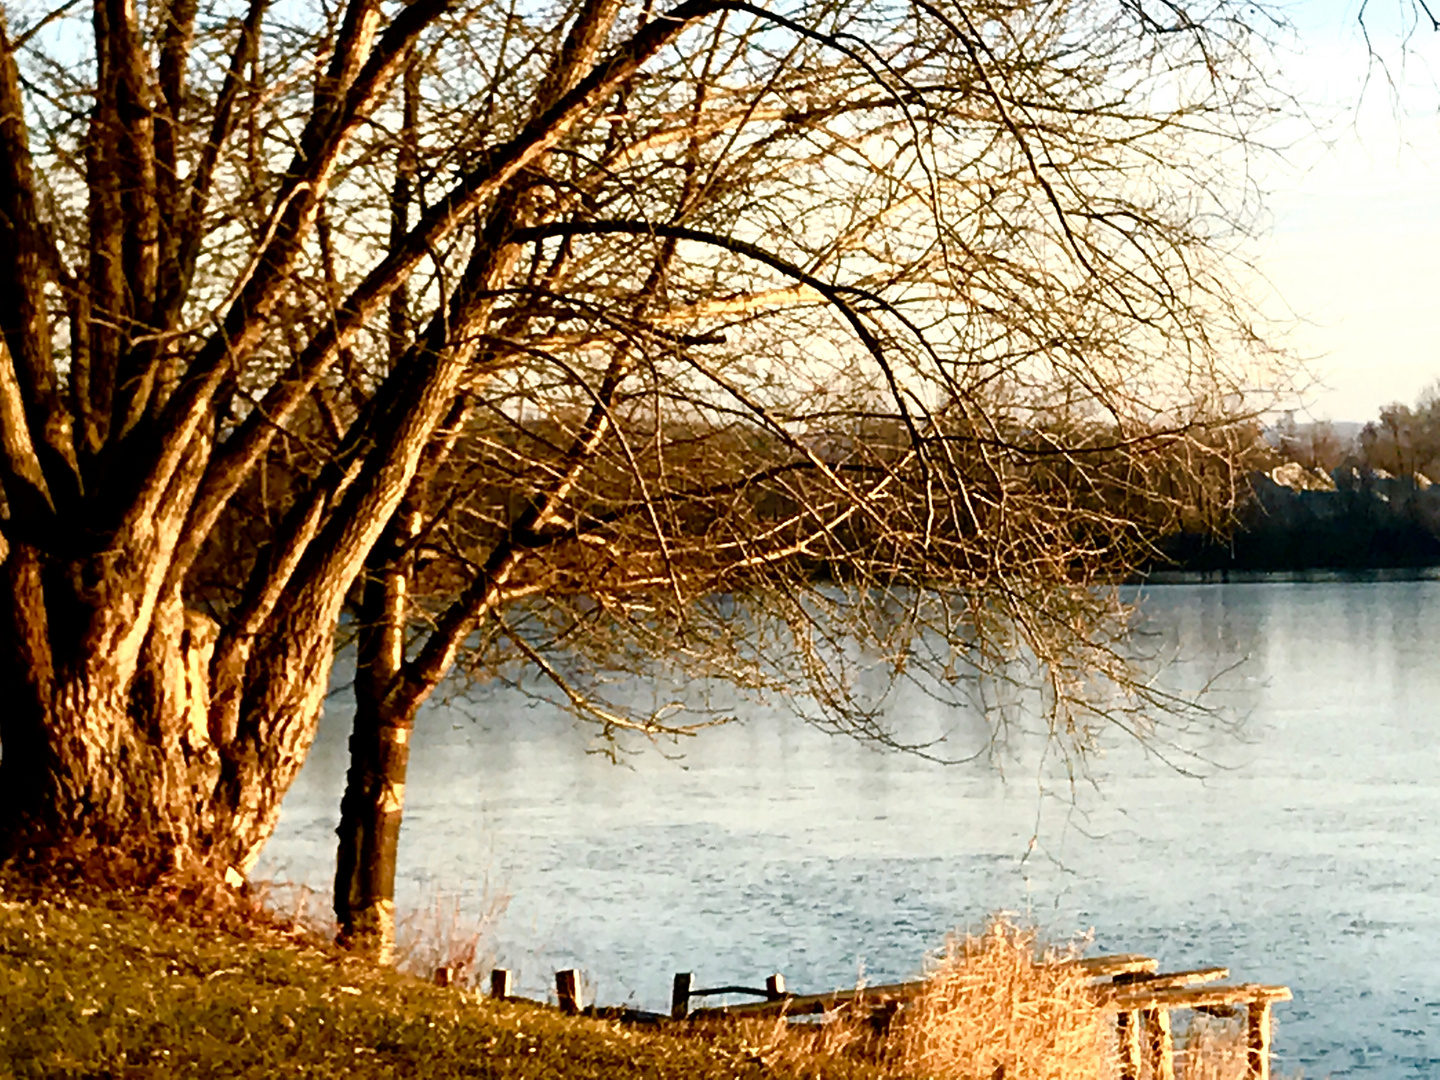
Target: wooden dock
(782, 1004)
(1130, 985)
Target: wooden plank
(1096, 967)
(1139, 997)
(1258, 1039)
(680, 995)
(1181, 978)
(806, 1004)
(500, 983)
(567, 990)
(1133, 983)
(1160, 1044)
(1107, 967)
(715, 991)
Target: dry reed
(1213, 1048)
(441, 933)
(999, 1006)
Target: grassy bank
(90, 991)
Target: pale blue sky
(1354, 246)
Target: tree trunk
(113, 764)
(374, 799)
(107, 759)
(369, 829)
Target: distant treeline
(1329, 500)
(1368, 520)
(1242, 497)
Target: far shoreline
(1312, 576)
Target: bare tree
(1315, 445)
(562, 338)
(846, 358)
(1405, 440)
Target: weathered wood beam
(1134, 983)
(1095, 967)
(567, 990)
(680, 995)
(1127, 1026)
(806, 1004)
(1107, 967)
(500, 983)
(1133, 999)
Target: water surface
(1307, 854)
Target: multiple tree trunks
(139, 732)
(113, 750)
(140, 737)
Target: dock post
(444, 975)
(1258, 1050)
(680, 995)
(567, 990)
(1162, 1047)
(1128, 1027)
(775, 987)
(500, 983)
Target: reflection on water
(1308, 854)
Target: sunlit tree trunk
(387, 694)
(374, 798)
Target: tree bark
(374, 799)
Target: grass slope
(91, 991)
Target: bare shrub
(295, 907)
(439, 932)
(444, 933)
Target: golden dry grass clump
(998, 1005)
(1214, 1048)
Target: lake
(1306, 853)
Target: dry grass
(100, 992)
(1214, 1048)
(1000, 1005)
(441, 933)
